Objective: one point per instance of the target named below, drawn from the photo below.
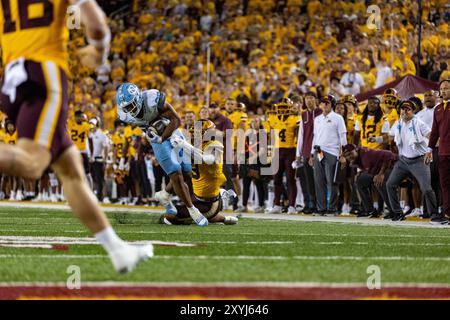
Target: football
(159, 126)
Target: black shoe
(362, 214)
(332, 212)
(307, 211)
(374, 214)
(439, 221)
(390, 215)
(400, 217)
(322, 213)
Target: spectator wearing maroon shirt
(376, 166)
(304, 145)
(441, 131)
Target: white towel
(419, 143)
(15, 75)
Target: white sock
(191, 209)
(402, 204)
(109, 239)
(375, 205)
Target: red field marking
(221, 292)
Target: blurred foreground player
(34, 96)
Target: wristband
(378, 139)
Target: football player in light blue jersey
(149, 110)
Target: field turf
(33, 251)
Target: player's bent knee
(69, 166)
(37, 159)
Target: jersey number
(75, 136)
(25, 21)
(370, 130)
(282, 135)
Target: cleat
(166, 222)
(439, 221)
(53, 198)
(19, 195)
(400, 217)
(274, 210)
(241, 209)
(170, 208)
(162, 197)
(198, 218)
(128, 257)
(406, 210)
(291, 210)
(415, 213)
(227, 195)
(230, 220)
(258, 210)
(375, 214)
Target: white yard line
(46, 240)
(241, 257)
(13, 241)
(203, 232)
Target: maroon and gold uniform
(33, 38)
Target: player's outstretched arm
(97, 33)
(175, 121)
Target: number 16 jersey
(35, 30)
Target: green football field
(38, 245)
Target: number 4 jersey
(285, 130)
(35, 30)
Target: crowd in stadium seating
(262, 52)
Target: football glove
(153, 137)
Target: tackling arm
(97, 33)
(213, 154)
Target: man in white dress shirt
(99, 144)
(330, 135)
(411, 137)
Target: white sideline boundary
(257, 216)
(269, 284)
